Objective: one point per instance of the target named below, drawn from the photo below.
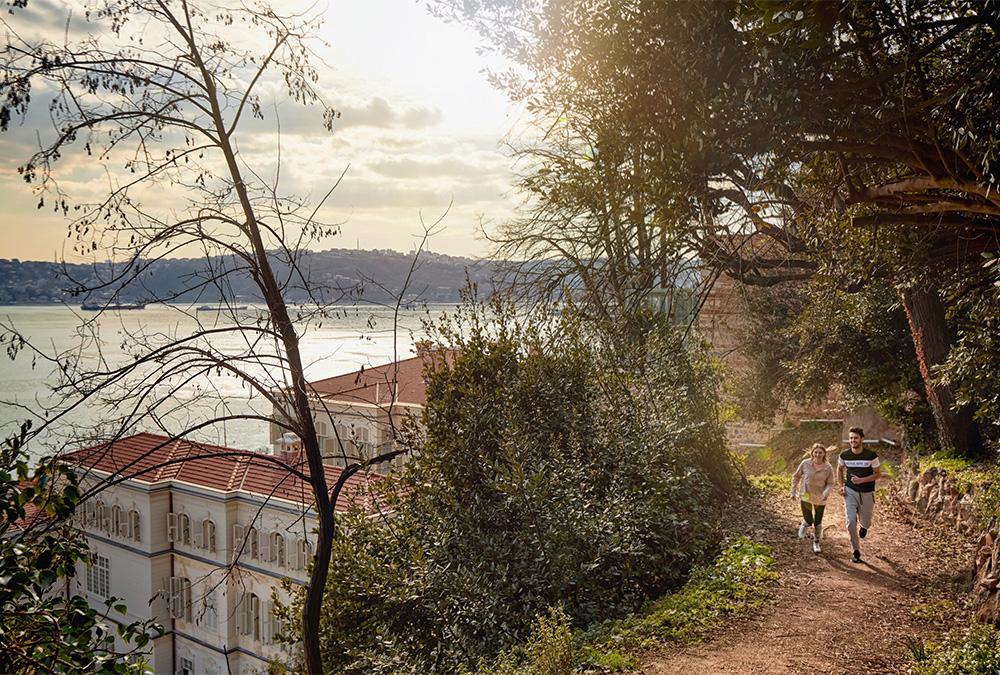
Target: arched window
(180, 598)
(134, 525)
(278, 549)
(103, 521)
(303, 553)
(208, 535)
(251, 616)
(184, 529)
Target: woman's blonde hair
(814, 448)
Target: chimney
(290, 448)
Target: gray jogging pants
(858, 506)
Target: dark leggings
(812, 518)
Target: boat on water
(219, 308)
(98, 306)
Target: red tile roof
(32, 514)
(150, 458)
(374, 385)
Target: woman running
(815, 475)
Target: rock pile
(939, 497)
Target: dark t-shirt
(862, 465)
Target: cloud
(360, 193)
(378, 113)
(415, 168)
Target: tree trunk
(932, 339)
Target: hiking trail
(830, 615)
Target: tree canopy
(778, 140)
(554, 469)
(43, 628)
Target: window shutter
(186, 587)
(137, 526)
(171, 526)
(164, 595)
(265, 629)
(172, 601)
(274, 626)
(265, 546)
(238, 535)
(253, 542)
(241, 616)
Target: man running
(861, 466)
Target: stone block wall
(936, 496)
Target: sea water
(347, 339)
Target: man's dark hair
(857, 430)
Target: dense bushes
(735, 584)
(556, 467)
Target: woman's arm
(827, 484)
(796, 477)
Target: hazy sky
(420, 128)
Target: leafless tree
(159, 95)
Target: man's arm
(877, 473)
(840, 477)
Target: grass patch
(937, 612)
(734, 585)
(971, 650)
(771, 483)
(945, 462)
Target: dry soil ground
(830, 615)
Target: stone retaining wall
(935, 495)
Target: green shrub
(974, 650)
(548, 651)
(556, 467)
(771, 483)
(736, 584)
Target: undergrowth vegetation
(982, 479)
(734, 585)
(556, 467)
(771, 483)
(973, 650)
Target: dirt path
(831, 615)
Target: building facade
(358, 415)
(197, 538)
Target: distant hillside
(375, 276)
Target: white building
(197, 537)
(358, 414)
